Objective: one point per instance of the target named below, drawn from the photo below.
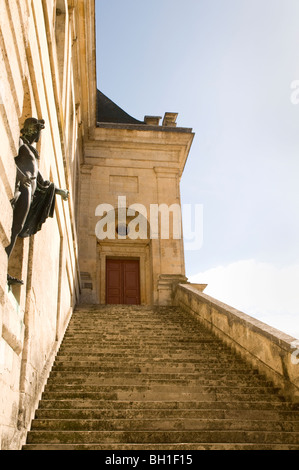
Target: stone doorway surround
(125, 250)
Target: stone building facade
(101, 155)
(47, 53)
(132, 167)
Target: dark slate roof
(107, 111)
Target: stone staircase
(141, 378)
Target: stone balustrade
(271, 351)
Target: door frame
(131, 250)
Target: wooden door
(122, 281)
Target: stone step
(99, 347)
(106, 349)
(162, 345)
(125, 321)
(145, 367)
(235, 405)
(153, 354)
(136, 335)
(167, 424)
(250, 375)
(157, 356)
(154, 413)
(156, 437)
(125, 345)
(131, 325)
(150, 331)
(198, 362)
(119, 326)
(98, 378)
(161, 447)
(164, 387)
(137, 393)
(78, 364)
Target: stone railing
(272, 352)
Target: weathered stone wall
(39, 77)
(268, 349)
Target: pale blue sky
(226, 66)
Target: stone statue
(34, 198)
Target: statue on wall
(34, 198)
